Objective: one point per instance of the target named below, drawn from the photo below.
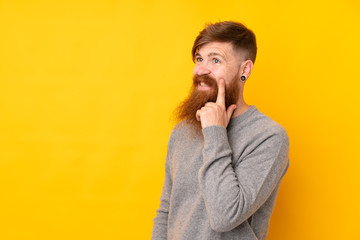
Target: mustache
(210, 81)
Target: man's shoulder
(179, 128)
(269, 128)
(179, 131)
(268, 123)
(258, 133)
(257, 123)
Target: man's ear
(246, 68)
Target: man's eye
(199, 59)
(216, 60)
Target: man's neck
(241, 107)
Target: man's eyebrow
(211, 55)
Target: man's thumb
(230, 110)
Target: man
(225, 159)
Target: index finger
(221, 92)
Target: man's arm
(160, 221)
(232, 195)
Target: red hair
(241, 38)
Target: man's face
(217, 60)
(214, 61)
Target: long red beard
(198, 98)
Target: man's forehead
(224, 49)
(216, 47)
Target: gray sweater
(222, 185)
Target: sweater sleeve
(159, 231)
(233, 193)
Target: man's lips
(203, 86)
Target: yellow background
(87, 89)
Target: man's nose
(203, 70)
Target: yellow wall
(87, 89)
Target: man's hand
(216, 113)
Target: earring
(243, 78)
